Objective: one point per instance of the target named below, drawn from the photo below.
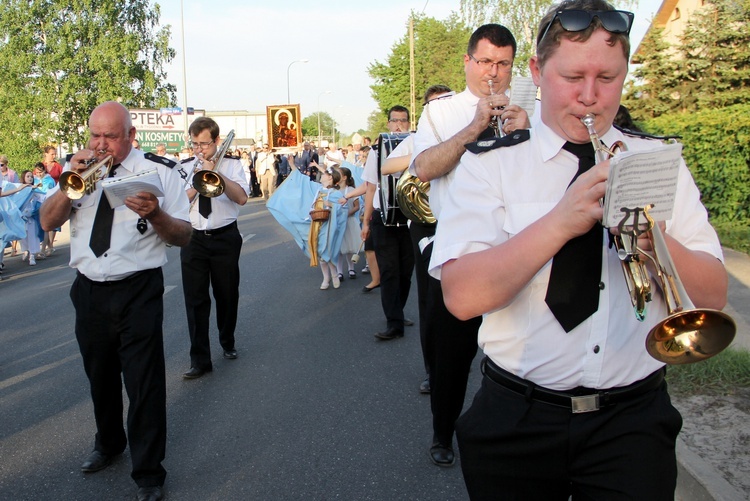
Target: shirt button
(596, 349)
(601, 286)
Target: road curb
(697, 480)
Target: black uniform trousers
(451, 348)
(514, 447)
(418, 231)
(211, 259)
(393, 251)
(119, 333)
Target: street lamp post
(288, 99)
(319, 135)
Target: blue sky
(238, 52)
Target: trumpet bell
(690, 336)
(208, 183)
(72, 185)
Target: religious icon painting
(284, 126)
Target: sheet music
(639, 178)
(523, 93)
(118, 188)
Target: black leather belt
(216, 231)
(578, 400)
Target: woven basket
(320, 214)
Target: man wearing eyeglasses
(446, 125)
(212, 257)
(571, 404)
(392, 244)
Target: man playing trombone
(212, 257)
(571, 403)
(118, 291)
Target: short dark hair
(546, 47)
(497, 34)
(400, 109)
(433, 91)
(204, 123)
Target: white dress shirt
(223, 210)
(494, 196)
(130, 251)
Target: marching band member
(571, 404)
(447, 124)
(118, 292)
(212, 256)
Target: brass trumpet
(76, 185)
(208, 182)
(687, 334)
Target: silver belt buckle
(586, 403)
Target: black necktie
(101, 231)
(573, 290)
(204, 206)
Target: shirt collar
(550, 143)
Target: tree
(658, 75)
(716, 52)
(310, 126)
(65, 57)
(438, 46)
(709, 69)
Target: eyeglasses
(614, 21)
(486, 64)
(398, 120)
(195, 144)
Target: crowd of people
(570, 404)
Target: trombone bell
(208, 183)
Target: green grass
(722, 374)
(734, 235)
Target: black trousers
(419, 231)
(451, 346)
(119, 333)
(514, 448)
(211, 260)
(393, 251)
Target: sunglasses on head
(614, 21)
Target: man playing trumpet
(117, 294)
(571, 403)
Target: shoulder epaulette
(644, 135)
(187, 160)
(483, 145)
(68, 157)
(233, 157)
(160, 160)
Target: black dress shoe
(230, 354)
(389, 334)
(194, 373)
(152, 493)
(95, 462)
(408, 322)
(424, 388)
(369, 289)
(442, 455)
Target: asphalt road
(314, 408)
